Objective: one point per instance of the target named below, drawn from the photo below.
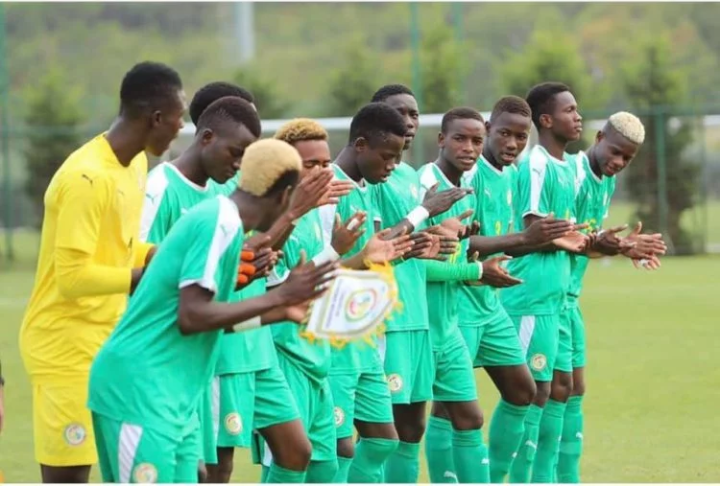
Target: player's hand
(574, 242)
(644, 246)
(653, 263)
(336, 189)
(310, 191)
(447, 237)
(380, 249)
(299, 312)
(421, 243)
(438, 202)
(306, 281)
(609, 243)
(495, 275)
(346, 235)
(456, 227)
(547, 229)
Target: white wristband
(327, 254)
(252, 323)
(418, 215)
(480, 269)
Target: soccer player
(410, 376)
(614, 149)
(461, 140)
(489, 333)
(90, 259)
(147, 379)
(545, 184)
(223, 132)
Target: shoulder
(427, 175)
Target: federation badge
(395, 383)
(233, 424)
(74, 434)
(339, 416)
(145, 473)
(538, 362)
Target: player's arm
(82, 203)
(538, 234)
(198, 312)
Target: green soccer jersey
(353, 357)
(591, 207)
(312, 358)
(148, 373)
(393, 201)
(494, 210)
(442, 297)
(544, 185)
(168, 196)
(226, 188)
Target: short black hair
(148, 86)
(541, 99)
(230, 109)
(376, 120)
(385, 92)
(459, 113)
(511, 105)
(212, 92)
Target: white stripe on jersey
(155, 188)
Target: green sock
(551, 426)
(370, 456)
(403, 466)
(568, 467)
(439, 451)
(341, 476)
(523, 462)
(506, 432)
(321, 472)
(279, 475)
(471, 457)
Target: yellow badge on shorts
(395, 382)
(233, 423)
(74, 434)
(339, 416)
(145, 473)
(538, 362)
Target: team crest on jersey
(538, 362)
(339, 416)
(395, 382)
(233, 424)
(145, 473)
(74, 434)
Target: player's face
(462, 144)
(565, 120)
(277, 208)
(376, 161)
(508, 135)
(314, 154)
(222, 151)
(614, 152)
(408, 108)
(166, 124)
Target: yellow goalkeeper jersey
(89, 245)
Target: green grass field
(653, 384)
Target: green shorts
(208, 428)
(494, 344)
(131, 453)
(572, 343)
(454, 376)
(252, 400)
(539, 337)
(409, 366)
(365, 397)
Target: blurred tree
(52, 121)
(651, 83)
(442, 70)
(353, 83)
(269, 103)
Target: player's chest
(564, 190)
(592, 204)
(496, 208)
(122, 216)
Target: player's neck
(250, 208)
(188, 164)
(594, 165)
(552, 145)
(487, 154)
(124, 140)
(452, 173)
(346, 161)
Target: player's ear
(599, 137)
(360, 144)
(441, 139)
(156, 118)
(285, 196)
(487, 127)
(206, 136)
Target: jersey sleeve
(327, 221)
(156, 220)
(211, 239)
(534, 187)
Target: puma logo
(451, 476)
(87, 178)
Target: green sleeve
(438, 271)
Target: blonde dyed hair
(264, 163)
(298, 130)
(629, 126)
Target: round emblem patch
(75, 434)
(339, 416)
(395, 383)
(233, 423)
(145, 473)
(538, 361)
